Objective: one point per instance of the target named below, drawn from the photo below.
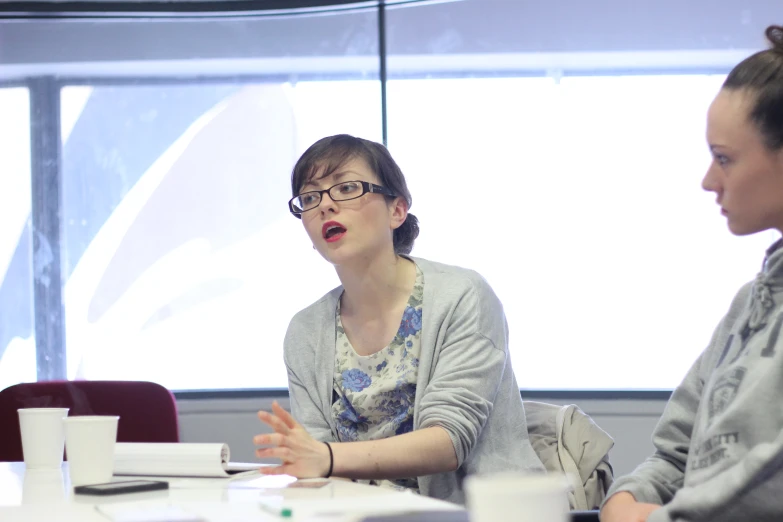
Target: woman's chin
(336, 256)
(744, 229)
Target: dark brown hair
(329, 154)
(761, 74)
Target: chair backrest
(568, 441)
(148, 411)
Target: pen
(276, 511)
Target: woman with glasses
(400, 376)
(719, 443)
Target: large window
(17, 333)
(558, 150)
(184, 265)
(583, 209)
(567, 143)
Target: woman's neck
(375, 285)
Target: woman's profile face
(746, 177)
(342, 231)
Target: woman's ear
(399, 212)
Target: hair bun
(775, 36)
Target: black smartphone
(117, 488)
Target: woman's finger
(273, 470)
(284, 416)
(270, 439)
(278, 424)
(283, 454)
(274, 422)
(265, 417)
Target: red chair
(148, 411)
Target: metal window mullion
(382, 73)
(46, 184)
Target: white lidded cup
(42, 436)
(518, 497)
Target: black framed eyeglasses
(341, 192)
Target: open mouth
(332, 231)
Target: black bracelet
(331, 460)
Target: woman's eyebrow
(335, 176)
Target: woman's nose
(710, 182)
(327, 203)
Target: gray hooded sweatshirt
(720, 440)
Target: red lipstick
(333, 231)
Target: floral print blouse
(374, 394)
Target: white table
(39, 495)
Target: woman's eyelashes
(721, 159)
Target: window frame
(46, 155)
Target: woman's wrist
(621, 498)
(330, 461)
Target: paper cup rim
(42, 410)
(90, 418)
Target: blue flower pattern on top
(377, 392)
(348, 419)
(411, 322)
(356, 380)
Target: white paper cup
(89, 444)
(42, 436)
(517, 497)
